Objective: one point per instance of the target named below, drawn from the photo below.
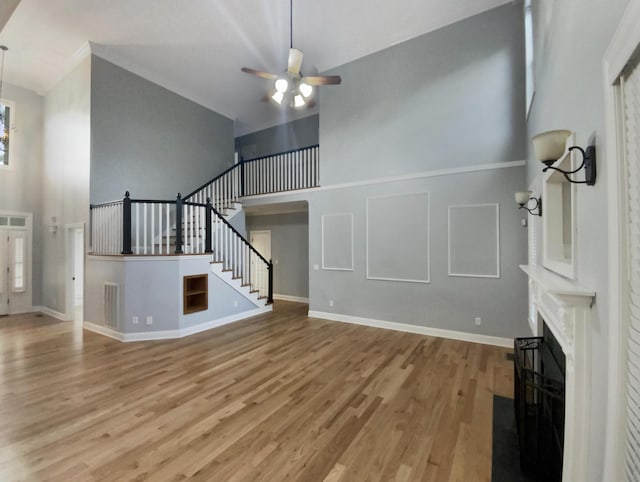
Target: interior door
(261, 241)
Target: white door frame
(69, 267)
(625, 41)
(28, 228)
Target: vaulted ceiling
(197, 47)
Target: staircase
(147, 227)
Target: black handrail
(238, 234)
(108, 203)
(154, 201)
(240, 165)
(213, 180)
(282, 153)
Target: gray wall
(150, 141)
(570, 95)
(450, 98)
(282, 138)
(289, 250)
(21, 184)
(450, 303)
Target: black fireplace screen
(539, 405)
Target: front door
(14, 295)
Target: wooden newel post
(126, 224)
(179, 224)
(270, 295)
(208, 234)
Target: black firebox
(539, 394)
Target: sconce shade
(549, 146)
(522, 197)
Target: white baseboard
(172, 334)
(297, 299)
(50, 312)
(420, 330)
(103, 330)
(224, 321)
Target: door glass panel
(18, 264)
(4, 220)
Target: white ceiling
(197, 47)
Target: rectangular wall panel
(474, 241)
(398, 238)
(337, 242)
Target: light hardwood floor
(278, 397)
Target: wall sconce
(523, 198)
(549, 147)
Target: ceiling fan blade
(258, 73)
(295, 61)
(322, 80)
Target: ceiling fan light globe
(277, 97)
(305, 89)
(282, 85)
(298, 101)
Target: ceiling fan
(292, 85)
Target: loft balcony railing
(286, 171)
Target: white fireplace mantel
(565, 307)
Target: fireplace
(539, 402)
(562, 308)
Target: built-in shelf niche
(559, 218)
(195, 293)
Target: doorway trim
(624, 43)
(69, 244)
(30, 270)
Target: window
(6, 113)
(528, 43)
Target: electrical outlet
(135, 320)
(330, 302)
(478, 321)
(316, 267)
(235, 303)
(275, 261)
(149, 320)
